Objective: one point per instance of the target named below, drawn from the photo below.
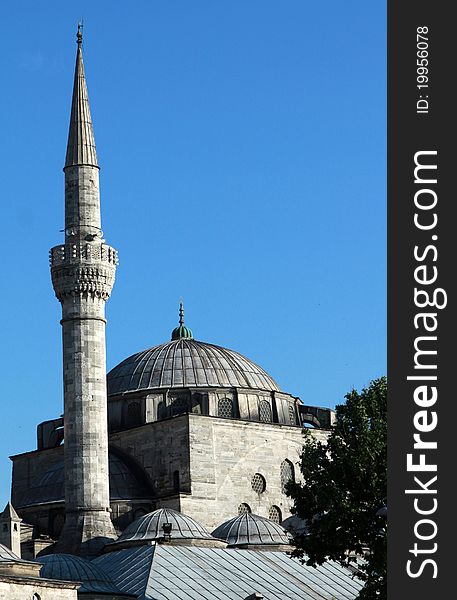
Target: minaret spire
(83, 270)
(81, 141)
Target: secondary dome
(67, 567)
(50, 485)
(251, 530)
(149, 528)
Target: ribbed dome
(187, 362)
(150, 527)
(67, 567)
(252, 530)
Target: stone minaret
(82, 271)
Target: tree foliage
(344, 485)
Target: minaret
(10, 529)
(83, 271)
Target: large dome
(185, 362)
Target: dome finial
(181, 331)
(79, 34)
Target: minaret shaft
(82, 202)
(83, 271)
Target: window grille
(292, 418)
(179, 406)
(225, 408)
(258, 483)
(274, 514)
(264, 411)
(287, 474)
(243, 508)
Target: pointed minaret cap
(9, 513)
(181, 331)
(81, 142)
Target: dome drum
(138, 407)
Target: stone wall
(25, 588)
(225, 455)
(162, 449)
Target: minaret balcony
(82, 253)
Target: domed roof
(187, 363)
(251, 530)
(50, 485)
(150, 527)
(67, 567)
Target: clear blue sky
(242, 150)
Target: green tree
(344, 485)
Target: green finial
(181, 331)
(79, 34)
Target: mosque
(165, 478)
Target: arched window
(133, 414)
(161, 410)
(264, 411)
(244, 508)
(274, 514)
(179, 405)
(292, 417)
(199, 403)
(287, 473)
(258, 483)
(36, 597)
(225, 408)
(57, 524)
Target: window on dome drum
(161, 410)
(258, 483)
(36, 597)
(133, 417)
(225, 408)
(287, 472)
(244, 508)
(200, 403)
(274, 514)
(179, 405)
(292, 418)
(57, 524)
(264, 411)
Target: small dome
(67, 567)
(251, 530)
(295, 525)
(150, 527)
(187, 362)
